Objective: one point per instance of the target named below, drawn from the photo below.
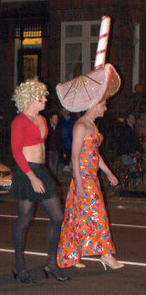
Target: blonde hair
(31, 89)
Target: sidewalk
(132, 203)
(132, 200)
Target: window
(78, 48)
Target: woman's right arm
(78, 136)
(17, 138)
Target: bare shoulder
(80, 126)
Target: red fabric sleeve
(17, 131)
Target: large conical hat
(83, 92)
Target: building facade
(57, 40)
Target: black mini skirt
(21, 185)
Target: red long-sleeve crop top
(24, 133)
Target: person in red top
(32, 181)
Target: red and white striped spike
(102, 43)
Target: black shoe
(55, 271)
(23, 275)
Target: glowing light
(32, 38)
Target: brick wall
(120, 47)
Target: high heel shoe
(55, 272)
(111, 262)
(23, 275)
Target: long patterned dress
(85, 229)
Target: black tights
(25, 211)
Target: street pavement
(128, 226)
(135, 200)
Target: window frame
(86, 39)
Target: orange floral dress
(85, 229)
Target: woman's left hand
(113, 179)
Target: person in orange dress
(85, 229)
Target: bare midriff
(35, 153)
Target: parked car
(5, 178)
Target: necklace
(91, 119)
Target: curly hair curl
(26, 91)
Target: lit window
(32, 38)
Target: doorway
(29, 63)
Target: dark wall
(120, 47)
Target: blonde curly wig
(31, 89)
